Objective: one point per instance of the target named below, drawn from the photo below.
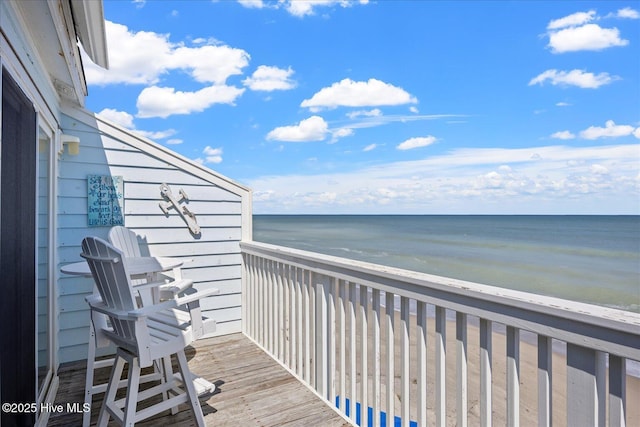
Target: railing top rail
(603, 328)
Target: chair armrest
(196, 296)
(150, 309)
(96, 304)
(184, 283)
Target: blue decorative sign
(105, 196)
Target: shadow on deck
(252, 389)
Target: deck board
(253, 390)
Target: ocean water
(592, 259)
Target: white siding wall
(222, 209)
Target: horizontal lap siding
(214, 255)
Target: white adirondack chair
(127, 241)
(142, 336)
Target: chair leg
(167, 377)
(132, 392)
(88, 383)
(112, 389)
(187, 380)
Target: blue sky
(421, 107)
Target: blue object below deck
(397, 421)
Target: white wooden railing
(325, 319)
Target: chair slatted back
(108, 268)
(125, 240)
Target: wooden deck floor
(252, 390)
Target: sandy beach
(528, 378)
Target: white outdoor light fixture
(72, 143)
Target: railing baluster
(244, 289)
(292, 317)
(364, 355)
(441, 367)
(266, 304)
(405, 357)
(299, 282)
(617, 391)
(513, 376)
(262, 318)
(421, 344)
(390, 316)
(306, 286)
(322, 339)
(254, 297)
(352, 351)
(332, 289)
(286, 337)
(312, 327)
(375, 321)
(270, 307)
(279, 307)
(545, 397)
(584, 386)
(461, 369)
(486, 336)
(342, 315)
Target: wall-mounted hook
(188, 216)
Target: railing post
(486, 338)
(322, 338)
(513, 376)
(342, 333)
(461, 376)
(352, 350)
(617, 391)
(545, 401)
(404, 364)
(364, 355)
(441, 368)
(584, 388)
(421, 344)
(375, 321)
(391, 378)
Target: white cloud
(416, 142)
(578, 78)
(174, 141)
(252, 4)
(312, 129)
(370, 147)
(565, 134)
(212, 155)
(208, 64)
(162, 134)
(121, 118)
(162, 102)
(563, 104)
(125, 120)
(301, 8)
(341, 133)
(556, 179)
(611, 130)
(578, 18)
(364, 113)
(143, 57)
(585, 37)
(267, 78)
(349, 93)
(628, 13)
